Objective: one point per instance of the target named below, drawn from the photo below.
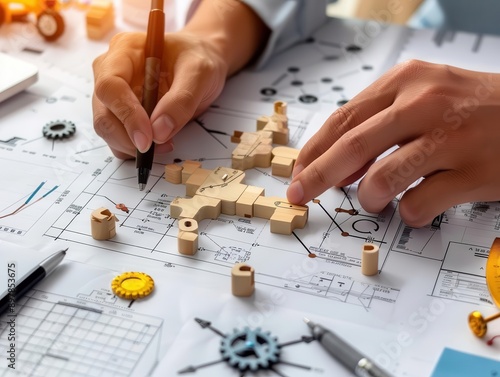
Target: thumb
(172, 112)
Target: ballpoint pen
(152, 65)
(31, 278)
(350, 357)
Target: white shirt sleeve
(290, 21)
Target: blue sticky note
(459, 364)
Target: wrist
(233, 30)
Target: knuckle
(355, 147)
(96, 63)
(184, 102)
(345, 116)
(102, 87)
(411, 68)
(103, 126)
(318, 176)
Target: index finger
(353, 136)
(114, 75)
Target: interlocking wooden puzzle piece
(284, 217)
(369, 259)
(173, 173)
(187, 239)
(102, 224)
(188, 168)
(224, 184)
(277, 123)
(242, 280)
(198, 208)
(195, 180)
(254, 150)
(283, 161)
(244, 204)
(223, 192)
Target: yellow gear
(132, 285)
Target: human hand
(446, 122)
(192, 76)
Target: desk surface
(403, 318)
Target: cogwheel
(132, 285)
(249, 349)
(59, 129)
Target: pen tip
(142, 186)
(309, 323)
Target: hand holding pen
(152, 65)
(195, 63)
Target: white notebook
(15, 75)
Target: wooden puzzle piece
(276, 123)
(187, 239)
(224, 184)
(284, 216)
(102, 224)
(244, 204)
(198, 207)
(369, 259)
(254, 150)
(223, 192)
(284, 161)
(242, 280)
(173, 173)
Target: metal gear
(250, 349)
(59, 129)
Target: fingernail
(295, 192)
(140, 141)
(162, 128)
(164, 148)
(297, 169)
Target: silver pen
(30, 279)
(350, 357)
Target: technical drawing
(249, 351)
(343, 288)
(62, 327)
(325, 71)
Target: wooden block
(236, 137)
(173, 173)
(276, 123)
(195, 180)
(369, 259)
(242, 280)
(188, 168)
(244, 204)
(254, 150)
(102, 224)
(284, 216)
(282, 166)
(100, 18)
(187, 243)
(224, 184)
(197, 208)
(187, 239)
(283, 161)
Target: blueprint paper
(430, 279)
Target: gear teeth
(59, 129)
(239, 352)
